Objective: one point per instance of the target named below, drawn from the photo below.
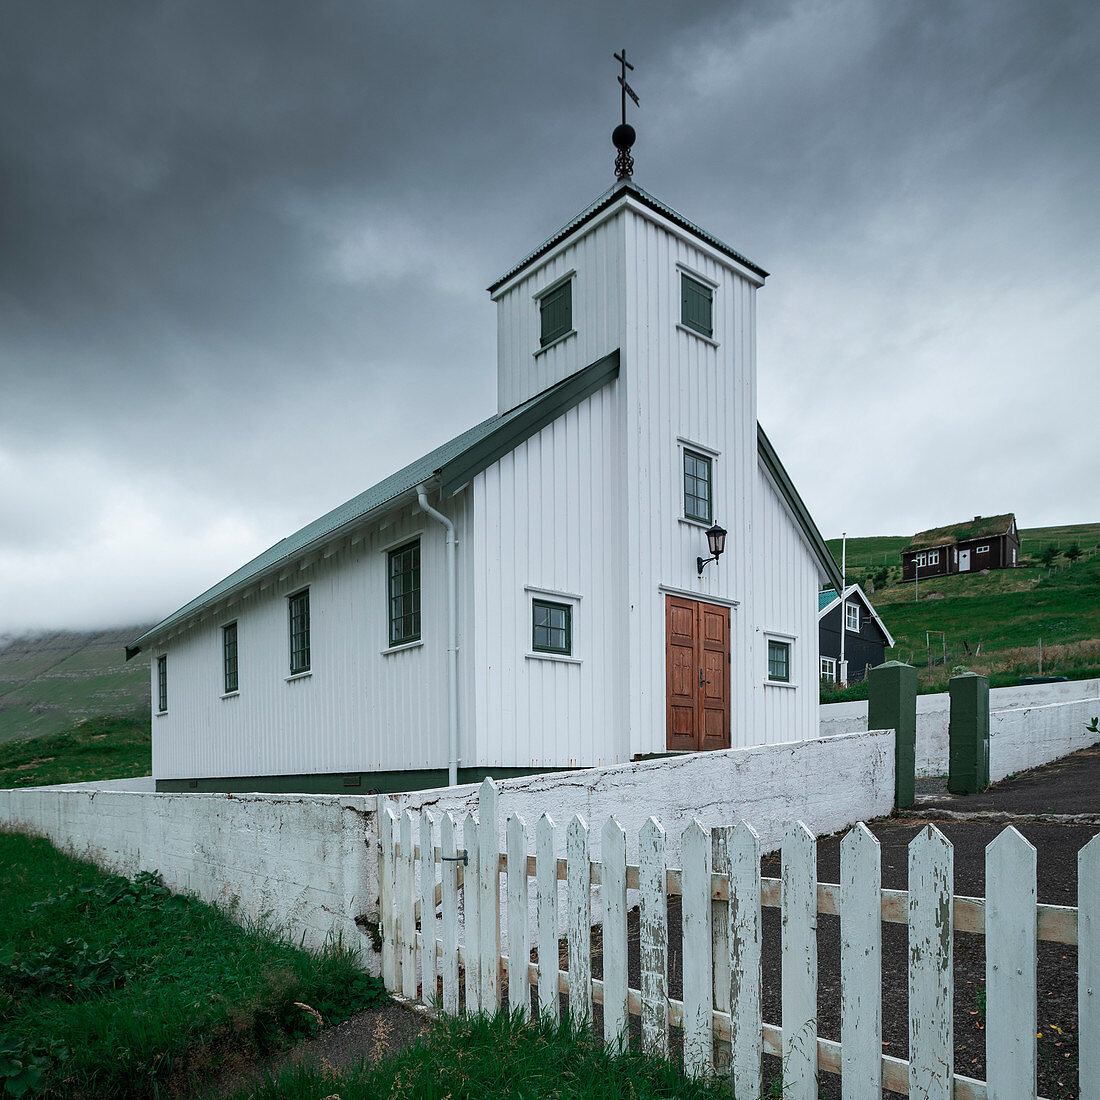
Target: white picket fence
(722, 892)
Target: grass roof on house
(981, 527)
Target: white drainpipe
(452, 633)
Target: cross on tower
(623, 135)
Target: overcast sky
(244, 250)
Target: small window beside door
(551, 627)
(779, 662)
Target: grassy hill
(993, 622)
(50, 681)
(880, 550)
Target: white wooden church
(534, 594)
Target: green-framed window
(556, 313)
(697, 485)
(299, 632)
(696, 305)
(779, 661)
(404, 594)
(162, 684)
(229, 657)
(551, 627)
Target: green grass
(492, 1058)
(116, 989)
(110, 747)
(49, 681)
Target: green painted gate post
(892, 705)
(968, 734)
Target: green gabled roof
(798, 507)
(981, 527)
(455, 463)
(612, 194)
(826, 597)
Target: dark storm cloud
(243, 246)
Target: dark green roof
(454, 463)
(981, 527)
(612, 194)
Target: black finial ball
(622, 137)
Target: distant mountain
(49, 681)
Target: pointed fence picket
(720, 883)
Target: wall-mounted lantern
(716, 540)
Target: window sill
(402, 647)
(698, 335)
(563, 658)
(701, 524)
(554, 343)
(779, 684)
(230, 694)
(160, 714)
(300, 675)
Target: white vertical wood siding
(597, 315)
(677, 384)
(549, 515)
(359, 710)
(787, 582)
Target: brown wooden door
(697, 673)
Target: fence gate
(428, 876)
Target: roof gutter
(452, 632)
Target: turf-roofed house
(613, 565)
(985, 542)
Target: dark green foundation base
(342, 782)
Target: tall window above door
(404, 594)
(556, 313)
(697, 486)
(696, 305)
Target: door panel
(698, 675)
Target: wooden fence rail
(722, 894)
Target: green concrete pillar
(892, 705)
(968, 759)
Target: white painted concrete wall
(828, 783)
(1030, 723)
(307, 863)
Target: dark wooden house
(986, 542)
(865, 634)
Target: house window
(922, 560)
(404, 591)
(696, 305)
(982, 550)
(556, 313)
(697, 486)
(933, 557)
(828, 668)
(162, 684)
(779, 661)
(851, 616)
(299, 632)
(229, 657)
(552, 627)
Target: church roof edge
(612, 194)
